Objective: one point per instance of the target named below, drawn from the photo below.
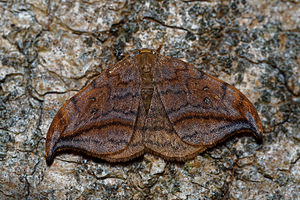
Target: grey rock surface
(49, 50)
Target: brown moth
(151, 103)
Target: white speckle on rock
(158, 167)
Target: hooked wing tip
(259, 137)
(49, 159)
(256, 126)
(50, 151)
(51, 145)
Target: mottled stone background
(49, 50)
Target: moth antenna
(111, 64)
(161, 44)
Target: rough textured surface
(48, 51)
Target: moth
(149, 103)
